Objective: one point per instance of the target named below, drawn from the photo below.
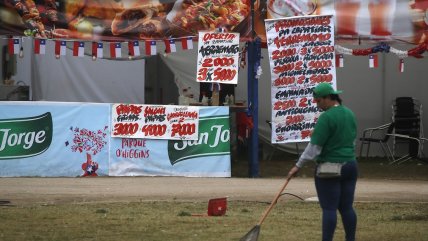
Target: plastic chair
(415, 152)
(380, 135)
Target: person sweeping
(332, 146)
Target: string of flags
(15, 47)
(382, 48)
(78, 48)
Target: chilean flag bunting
(97, 50)
(13, 46)
(187, 43)
(170, 46)
(150, 47)
(373, 61)
(401, 66)
(60, 48)
(115, 50)
(79, 49)
(40, 46)
(339, 61)
(134, 48)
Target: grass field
(161, 221)
(290, 220)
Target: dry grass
(153, 221)
(291, 220)
(374, 168)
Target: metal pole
(254, 56)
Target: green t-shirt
(335, 131)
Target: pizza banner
(116, 20)
(155, 121)
(301, 55)
(218, 58)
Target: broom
(253, 234)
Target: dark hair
(335, 97)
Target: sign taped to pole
(301, 55)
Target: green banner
(214, 140)
(25, 137)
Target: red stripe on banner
(167, 46)
(37, 46)
(94, 48)
(375, 60)
(11, 46)
(184, 43)
(57, 47)
(131, 48)
(112, 50)
(337, 60)
(148, 47)
(76, 49)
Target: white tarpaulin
(83, 80)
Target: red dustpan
(217, 206)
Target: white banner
(155, 121)
(301, 55)
(218, 58)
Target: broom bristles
(252, 235)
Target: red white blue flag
(151, 47)
(115, 50)
(187, 43)
(60, 48)
(13, 46)
(339, 61)
(97, 50)
(79, 49)
(170, 46)
(401, 67)
(373, 61)
(40, 46)
(134, 48)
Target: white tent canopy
(368, 92)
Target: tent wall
(368, 92)
(79, 79)
(160, 86)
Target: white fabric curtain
(79, 79)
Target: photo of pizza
(125, 19)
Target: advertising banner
(59, 139)
(208, 156)
(218, 56)
(54, 139)
(155, 121)
(370, 20)
(301, 55)
(116, 20)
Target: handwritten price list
(301, 55)
(218, 56)
(155, 122)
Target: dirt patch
(28, 191)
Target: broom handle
(273, 202)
